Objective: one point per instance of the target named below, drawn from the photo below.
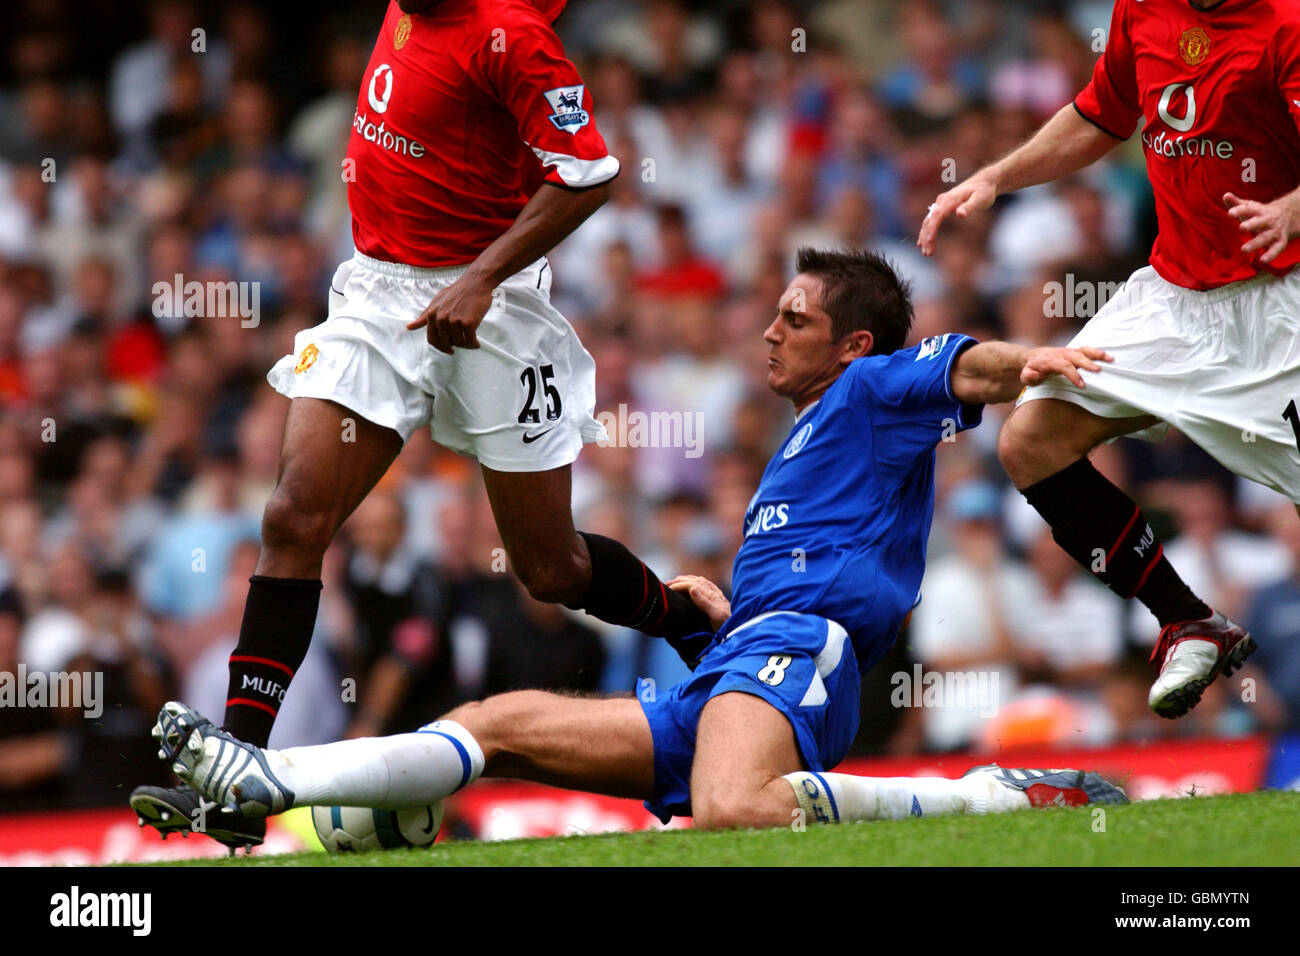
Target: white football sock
(843, 798)
(404, 771)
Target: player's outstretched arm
(993, 372)
(554, 211)
(1064, 144)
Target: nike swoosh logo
(529, 439)
(429, 828)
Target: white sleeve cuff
(579, 172)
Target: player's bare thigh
(743, 747)
(1041, 437)
(533, 512)
(597, 744)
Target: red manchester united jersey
(463, 113)
(1220, 92)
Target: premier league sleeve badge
(566, 108)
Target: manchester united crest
(1194, 45)
(403, 32)
(306, 359)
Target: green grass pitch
(1258, 829)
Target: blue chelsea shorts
(801, 664)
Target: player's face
(802, 358)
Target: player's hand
(454, 314)
(963, 199)
(706, 595)
(1274, 224)
(1043, 363)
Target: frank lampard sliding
(772, 703)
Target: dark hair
(861, 290)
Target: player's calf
(585, 571)
(597, 744)
(1106, 532)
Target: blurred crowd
(139, 441)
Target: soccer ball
(361, 829)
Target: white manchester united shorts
(522, 401)
(1221, 366)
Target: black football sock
(279, 617)
(1105, 531)
(624, 591)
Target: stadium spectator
(1069, 643)
(402, 659)
(1273, 616)
(972, 617)
(141, 76)
(33, 751)
(936, 79)
(1072, 634)
(1058, 65)
(862, 155)
(1216, 559)
(184, 572)
(725, 197)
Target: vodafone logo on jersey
(1179, 98)
(385, 138)
(379, 93)
(382, 78)
(1182, 124)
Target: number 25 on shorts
(528, 378)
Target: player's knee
(722, 814)
(1026, 448)
(500, 724)
(292, 523)
(731, 809)
(1011, 443)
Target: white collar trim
(799, 416)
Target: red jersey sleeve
(523, 66)
(1111, 99)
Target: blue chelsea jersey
(839, 524)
